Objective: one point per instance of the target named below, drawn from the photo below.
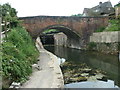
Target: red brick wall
(84, 26)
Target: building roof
(102, 8)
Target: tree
(9, 16)
(78, 15)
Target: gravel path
(49, 75)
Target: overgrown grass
(18, 54)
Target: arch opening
(63, 36)
(66, 30)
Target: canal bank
(105, 42)
(87, 64)
(47, 72)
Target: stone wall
(60, 39)
(107, 42)
(82, 27)
(105, 37)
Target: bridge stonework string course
(76, 28)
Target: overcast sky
(52, 7)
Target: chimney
(100, 3)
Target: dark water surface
(108, 63)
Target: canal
(88, 69)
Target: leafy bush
(114, 25)
(78, 15)
(23, 41)
(8, 14)
(117, 5)
(15, 69)
(19, 53)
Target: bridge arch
(73, 39)
(84, 26)
(65, 29)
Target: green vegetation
(18, 49)
(50, 31)
(19, 53)
(9, 16)
(114, 25)
(118, 5)
(92, 46)
(78, 15)
(100, 29)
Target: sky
(52, 7)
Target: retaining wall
(105, 37)
(60, 39)
(107, 42)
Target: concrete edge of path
(58, 81)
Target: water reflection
(92, 84)
(108, 63)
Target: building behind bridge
(103, 9)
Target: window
(109, 8)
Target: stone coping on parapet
(63, 16)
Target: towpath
(49, 75)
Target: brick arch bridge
(78, 29)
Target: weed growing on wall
(114, 25)
(92, 45)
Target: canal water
(77, 60)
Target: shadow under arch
(73, 38)
(66, 30)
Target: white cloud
(52, 7)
